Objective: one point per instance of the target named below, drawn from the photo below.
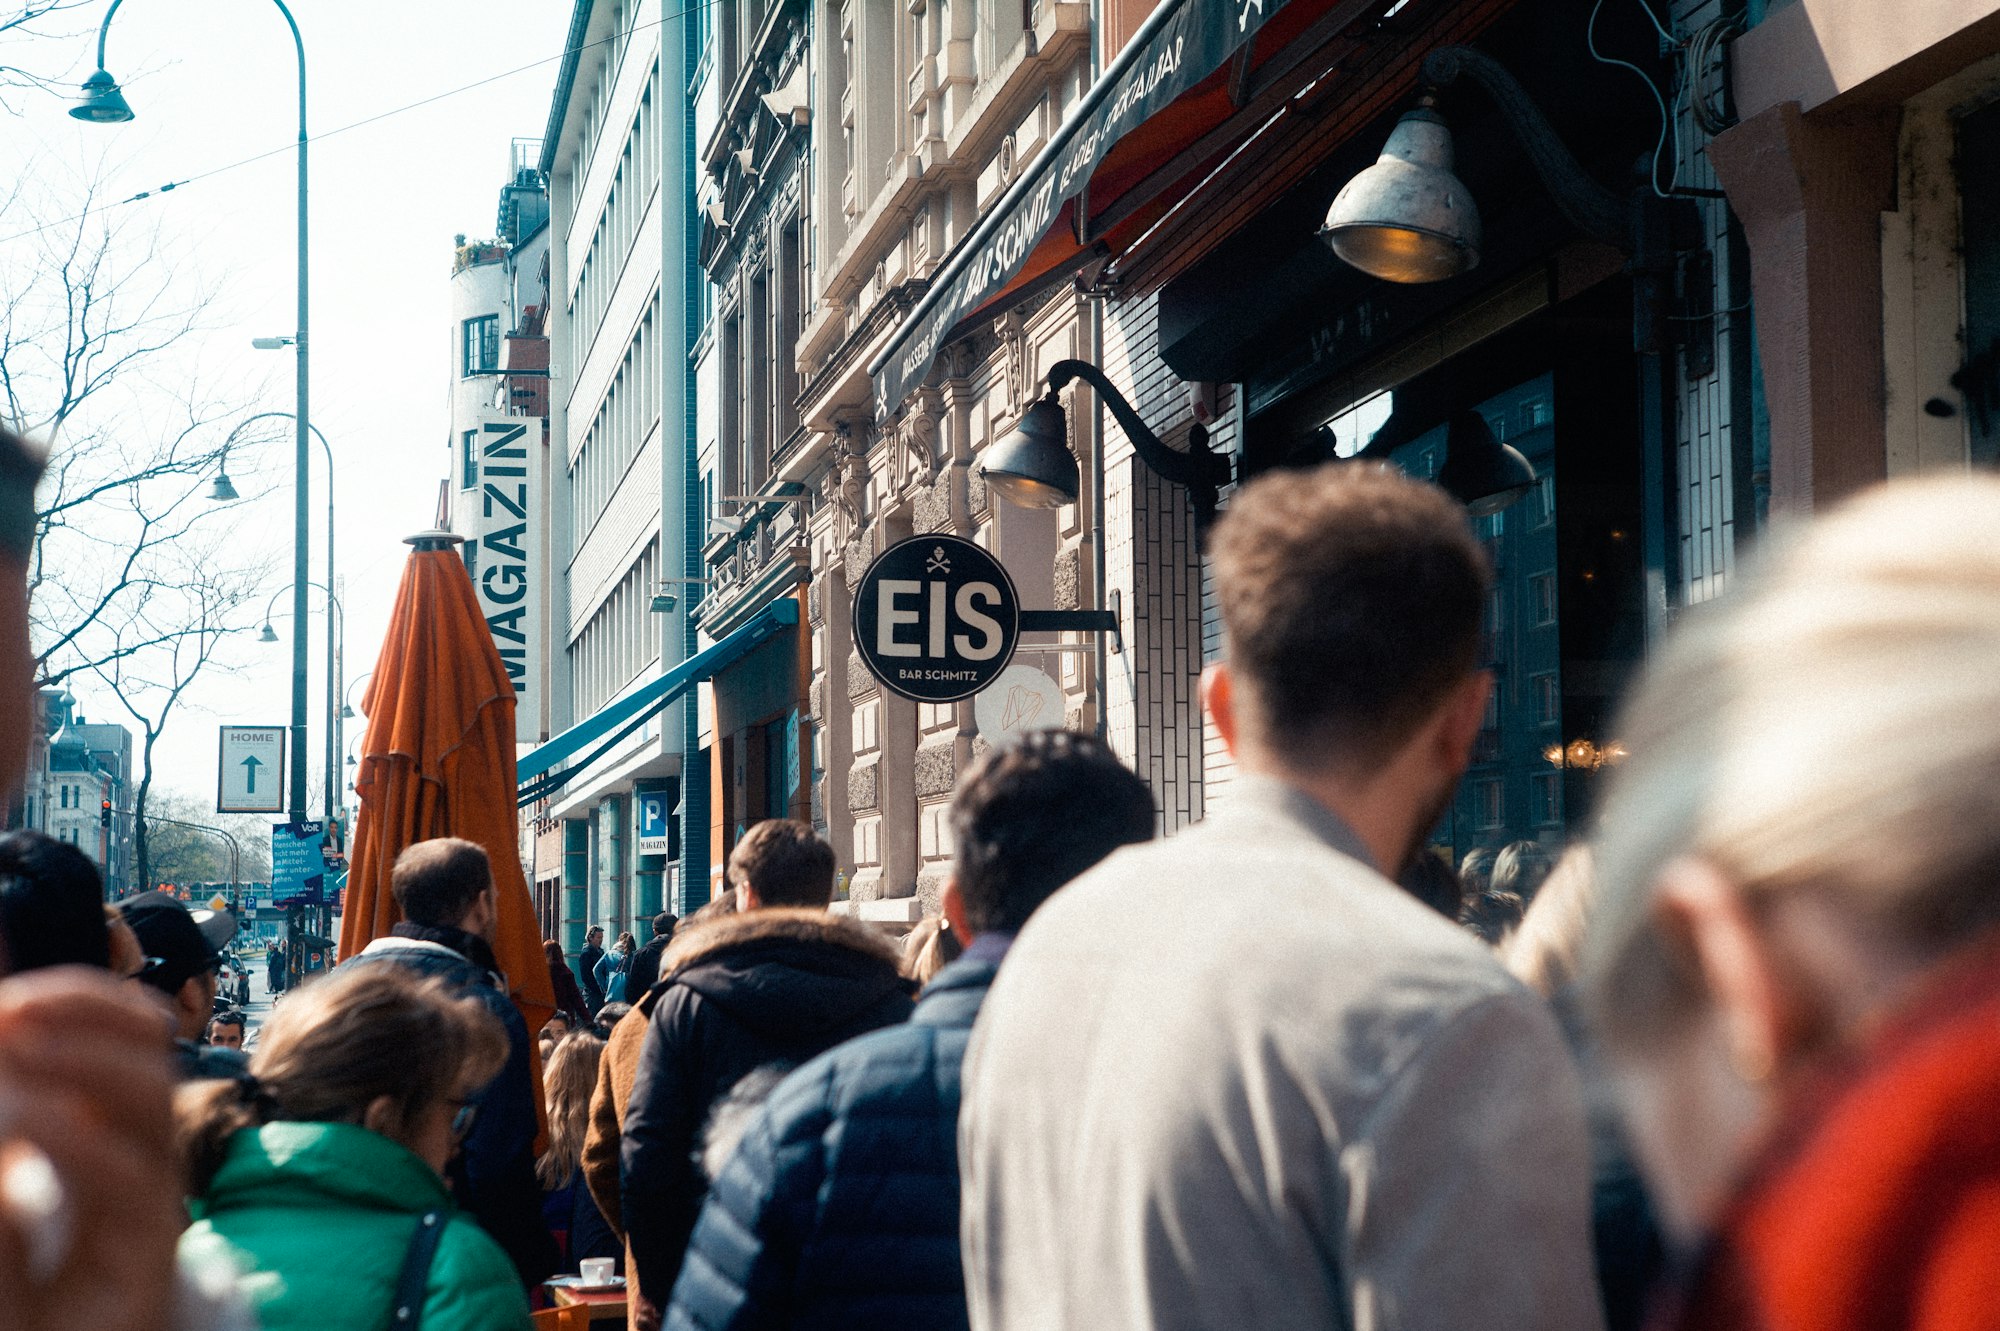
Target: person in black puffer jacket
(779, 982)
(839, 1206)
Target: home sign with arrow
(251, 772)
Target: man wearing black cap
(183, 954)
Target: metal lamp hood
(1031, 465)
(1407, 218)
(103, 102)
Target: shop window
(1548, 798)
(1502, 800)
(1489, 810)
(1548, 700)
(1542, 598)
(481, 344)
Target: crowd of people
(1732, 1062)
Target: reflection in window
(1542, 598)
(1548, 798)
(1548, 701)
(1488, 808)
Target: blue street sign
(650, 811)
(298, 867)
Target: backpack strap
(416, 1273)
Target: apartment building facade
(810, 264)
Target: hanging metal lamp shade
(1479, 471)
(102, 101)
(1031, 465)
(1407, 218)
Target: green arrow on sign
(253, 763)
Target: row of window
(618, 222)
(1489, 800)
(757, 351)
(620, 640)
(623, 420)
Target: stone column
(1810, 191)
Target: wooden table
(606, 1307)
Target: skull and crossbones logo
(937, 563)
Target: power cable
(1669, 122)
(169, 187)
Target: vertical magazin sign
(507, 566)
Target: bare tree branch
(183, 634)
(98, 334)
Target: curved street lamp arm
(104, 31)
(1195, 468)
(338, 608)
(1594, 210)
(230, 442)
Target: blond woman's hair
(334, 1048)
(568, 1081)
(929, 948)
(1832, 727)
(1542, 951)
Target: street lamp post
(336, 652)
(225, 492)
(104, 103)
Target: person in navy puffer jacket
(839, 1208)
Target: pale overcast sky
(212, 82)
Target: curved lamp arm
(1594, 210)
(1201, 472)
(340, 611)
(229, 442)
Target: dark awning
(1182, 44)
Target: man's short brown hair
(1351, 598)
(437, 881)
(785, 863)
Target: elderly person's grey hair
(1831, 729)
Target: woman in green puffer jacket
(312, 1175)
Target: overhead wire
(1669, 121)
(170, 186)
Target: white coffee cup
(596, 1270)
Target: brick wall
(1708, 437)
(1153, 703)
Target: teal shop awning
(621, 718)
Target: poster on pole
(298, 868)
(251, 774)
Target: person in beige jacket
(1240, 1079)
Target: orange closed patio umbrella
(438, 761)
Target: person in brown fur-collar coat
(753, 994)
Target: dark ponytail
(206, 1115)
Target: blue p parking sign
(654, 816)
